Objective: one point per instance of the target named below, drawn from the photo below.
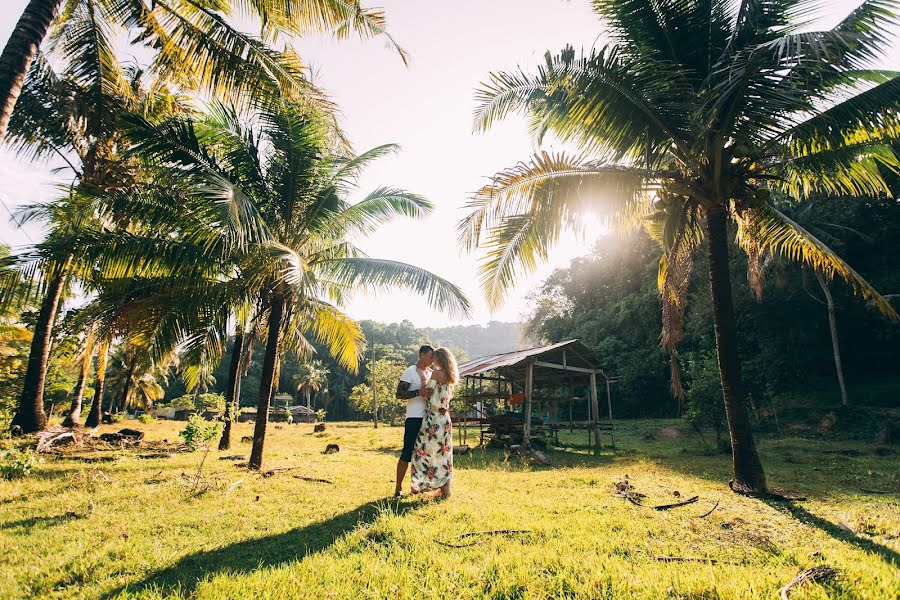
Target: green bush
(15, 464)
(146, 418)
(198, 432)
(704, 405)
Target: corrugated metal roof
(518, 357)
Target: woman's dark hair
(425, 349)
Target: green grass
(133, 528)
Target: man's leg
(402, 467)
(411, 429)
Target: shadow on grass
(808, 518)
(181, 578)
(36, 521)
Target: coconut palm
(192, 41)
(83, 358)
(689, 118)
(311, 378)
(73, 115)
(285, 174)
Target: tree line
(191, 226)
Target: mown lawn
(134, 527)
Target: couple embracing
(427, 387)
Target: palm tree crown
(695, 113)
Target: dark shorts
(410, 432)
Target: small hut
(543, 381)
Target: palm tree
(73, 115)
(287, 175)
(689, 118)
(95, 414)
(84, 358)
(193, 42)
(311, 379)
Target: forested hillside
(609, 300)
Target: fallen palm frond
(690, 500)
(815, 575)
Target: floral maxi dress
(432, 463)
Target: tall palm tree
(312, 377)
(690, 117)
(73, 115)
(84, 357)
(288, 174)
(95, 413)
(193, 42)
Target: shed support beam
(612, 435)
(529, 389)
(549, 365)
(595, 410)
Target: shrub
(321, 414)
(146, 418)
(198, 431)
(15, 464)
(704, 406)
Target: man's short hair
(425, 349)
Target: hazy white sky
(427, 109)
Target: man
(416, 395)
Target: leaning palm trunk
(74, 416)
(126, 388)
(30, 416)
(20, 50)
(93, 418)
(832, 325)
(748, 471)
(267, 381)
(231, 389)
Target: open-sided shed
(551, 367)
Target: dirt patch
(669, 433)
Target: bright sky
(427, 109)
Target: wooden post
(529, 385)
(612, 435)
(374, 384)
(595, 410)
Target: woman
(432, 463)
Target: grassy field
(137, 527)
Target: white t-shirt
(415, 406)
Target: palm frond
(381, 206)
(378, 274)
(776, 233)
(336, 330)
(198, 47)
(854, 170)
(557, 187)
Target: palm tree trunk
(308, 393)
(30, 416)
(126, 388)
(267, 379)
(20, 50)
(93, 418)
(748, 470)
(835, 346)
(231, 389)
(74, 415)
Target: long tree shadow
(181, 578)
(804, 516)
